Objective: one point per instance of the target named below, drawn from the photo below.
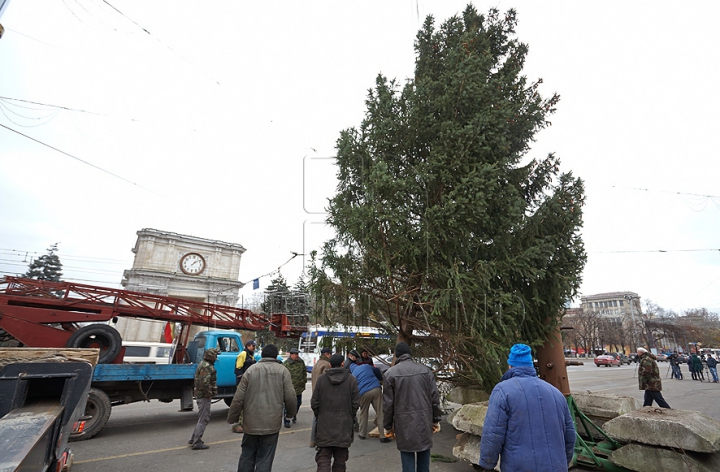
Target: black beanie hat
(270, 351)
(336, 360)
(402, 348)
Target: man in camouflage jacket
(649, 378)
(205, 390)
(298, 373)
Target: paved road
(153, 436)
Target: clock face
(192, 264)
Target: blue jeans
(713, 371)
(408, 461)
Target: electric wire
(54, 106)
(652, 250)
(80, 160)
(153, 36)
(4, 108)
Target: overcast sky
(218, 119)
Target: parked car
(621, 357)
(137, 352)
(606, 360)
(662, 358)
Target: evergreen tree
(276, 296)
(445, 230)
(47, 267)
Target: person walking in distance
(264, 389)
(712, 367)
(298, 373)
(334, 401)
(649, 378)
(244, 360)
(675, 365)
(368, 379)
(319, 368)
(205, 390)
(411, 409)
(528, 423)
(697, 367)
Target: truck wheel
(104, 337)
(228, 400)
(98, 406)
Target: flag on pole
(168, 334)
(256, 284)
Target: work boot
(385, 440)
(287, 423)
(200, 446)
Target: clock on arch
(192, 263)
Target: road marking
(169, 449)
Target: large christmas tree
(446, 231)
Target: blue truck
(120, 384)
(45, 314)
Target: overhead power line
(652, 250)
(54, 106)
(78, 159)
(666, 191)
(153, 36)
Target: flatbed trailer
(41, 404)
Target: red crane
(40, 313)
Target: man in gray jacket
(263, 390)
(411, 409)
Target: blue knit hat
(520, 356)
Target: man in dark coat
(697, 367)
(528, 422)
(649, 378)
(334, 401)
(205, 390)
(319, 368)
(411, 409)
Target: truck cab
(229, 344)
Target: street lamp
(630, 299)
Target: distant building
(612, 304)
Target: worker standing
(528, 422)
(244, 360)
(298, 373)
(411, 409)
(319, 368)
(263, 390)
(205, 390)
(334, 402)
(649, 378)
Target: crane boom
(40, 313)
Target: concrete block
(641, 458)
(470, 418)
(604, 406)
(468, 448)
(680, 429)
(464, 395)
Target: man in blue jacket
(368, 380)
(528, 422)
